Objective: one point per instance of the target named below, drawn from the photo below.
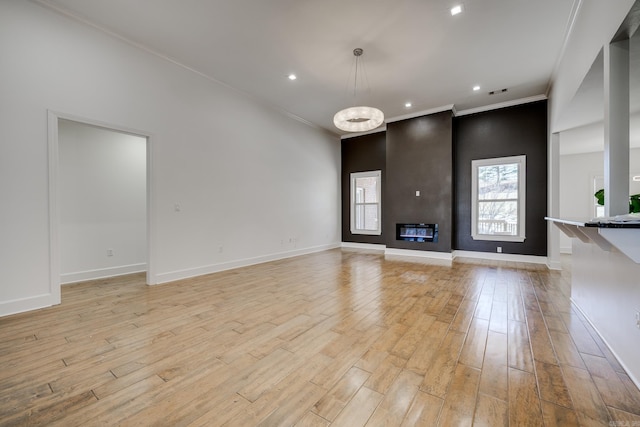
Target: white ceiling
(414, 50)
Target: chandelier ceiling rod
(361, 118)
(357, 52)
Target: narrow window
(365, 203)
(498, 199)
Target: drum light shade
(358, 119)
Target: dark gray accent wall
(433, 154)
(360, 154)
(499, 133)
(419, 157)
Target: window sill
(498, 238)
(367, 233)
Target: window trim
(522, 196)
(352, 197)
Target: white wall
(605, 287)
(576, 194)
(102, 196)
(252, 183)
(576, 185)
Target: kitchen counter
(609, 234)
(605, 283)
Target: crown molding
(415, 114)
(381, 128)
(499, 105)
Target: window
(498, 199)
(365, 203)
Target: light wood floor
(336, 338)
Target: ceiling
(414, 50)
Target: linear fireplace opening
(417, 232)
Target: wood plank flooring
(337, 338)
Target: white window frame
(522, 197)
(369, 174)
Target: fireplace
(417, 232)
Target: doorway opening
(99, 200)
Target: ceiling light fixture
(292, 77)
(476, 88)
(408, 105)
(456, 10)
(358, 119)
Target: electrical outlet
(109, 252)
(499, 249)
(638, 319)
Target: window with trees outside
(365, 203)
(498, 199)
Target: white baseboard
(531, 259)
(101, 273)
(363, 246)
(27, 304)
(554, 265)
(215, 268)
(449, 256)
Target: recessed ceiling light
(292, 77)
(476, 88)
(636, 178)
(408, 104)
(456, 10)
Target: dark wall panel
(419, 157)
(499, 133)
(360, 154)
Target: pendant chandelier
(358, 119)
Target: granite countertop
(612, 224)
(620, 221)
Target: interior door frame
(54, 209)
